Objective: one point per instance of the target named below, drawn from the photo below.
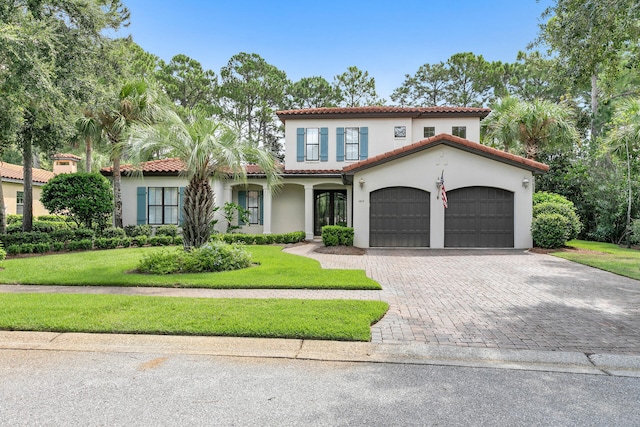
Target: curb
(334, 351)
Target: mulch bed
(340, 250)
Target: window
(163, 205)
(253, 206)
(352, 143)
(19, 202)
(429, 131)
(400, 132)
(312, 144)
(460, 131)
(63, 163)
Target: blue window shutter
(300, 145)
(340, 144)
(261, 208)
(242, 201)
(180, 204)
(141, 215)
(324, 144)
(364, 143)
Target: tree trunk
(594, 106)
(197, 213)
(27, 161)
(117, 193)
(88, 154)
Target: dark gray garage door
(399, 217)
(479, 217)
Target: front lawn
(113, 267)
(345, 320)
(605, 256)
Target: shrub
(336, 235)
(13, 218)
(40, 248)
(57, 246)
(574, 225)
(49, 226)
(3, 254)
(635, 231)
(547, 197)
(15, 227)
(125, 242)
(13, 249)
(113, 232)
(83, 234)
(178, 240)
(106, 242)
(260, 239)
(21, 237)
(76, 245)
(63, 235)
(216, 256)
(137, 230)
(161, 240)
(167, 230)
(26, 248)
(549, 230)
(140, 240)
(56, 218)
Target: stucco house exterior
(378, 169)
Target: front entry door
(330, 209)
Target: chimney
(65, 163)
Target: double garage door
(480, 217)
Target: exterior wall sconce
(525, 182)
(361, 182)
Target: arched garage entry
(399, 217)
(479, 217)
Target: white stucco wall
(461, 169)
(381, 136)
(288, 209)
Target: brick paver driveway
(498, 299)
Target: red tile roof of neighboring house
(11, 171)
(60, 156)
(382, 111)
(452, 141)
(172, 166)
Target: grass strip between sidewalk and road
(343, 320)
(276, 270)
(605, 256)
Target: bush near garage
(555, 220)
(336, 235)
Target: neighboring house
(375, 169)
(13, 182)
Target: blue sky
(323, 38)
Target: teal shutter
(180, 204)
(300, 145)
(324, 144)
(261, 208)
(340, 144)
(141, 215)
(364, 143)
(242, 201)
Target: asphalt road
(73, 388)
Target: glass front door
(330, 209)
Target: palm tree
(209, 150)
(136, 102)
(90, 131)
(533, 125)
(624, 140)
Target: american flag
(443, 193)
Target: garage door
(479, 217)
(399, 217)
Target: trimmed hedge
(216, 256)
(137, 230)
(336, 235)
(261, 239)
(574, 226)
(167, 230)
(549, 230)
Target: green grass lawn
(605, 256)
(345, 320)
(276, 269)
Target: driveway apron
(504, 299)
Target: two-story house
(381, 170)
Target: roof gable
(451, 141)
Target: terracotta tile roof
(60, 156)
(11, 171)
(452, 141)
(172, 166)
(313, 172)
(383, 111)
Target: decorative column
(266, 205)
(308, 211)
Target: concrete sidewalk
(411, 353)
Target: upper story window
(163, 205)
(460, 131)
(352, 143)
(312, 144)
(429, 131)
(400, 132)
(20, 202)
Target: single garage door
(479, 217)
(399, 217)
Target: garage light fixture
(525, 182)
